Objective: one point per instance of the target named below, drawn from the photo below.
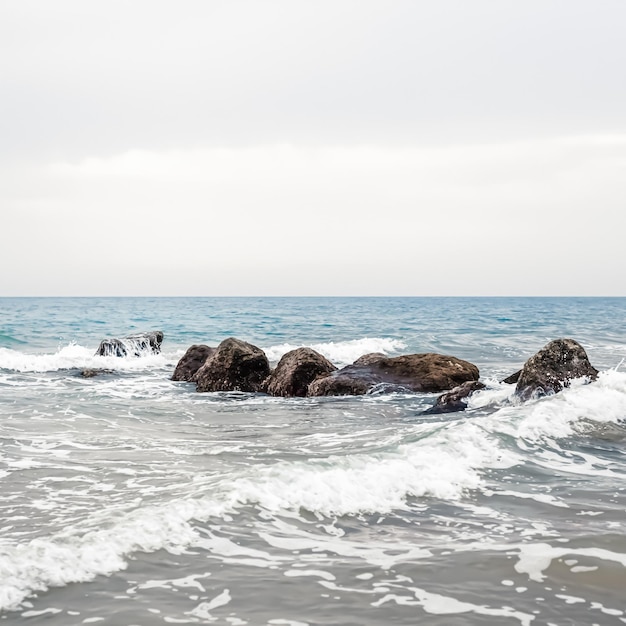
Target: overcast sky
(344, 147)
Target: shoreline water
(132, 499)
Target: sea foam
(342, 352)
(444, 465)
(74, 356)
(566, 413)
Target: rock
(90, 373)
(456, 399)
(513, 378)
(352, 380)
(189, 364)
(416, 372)
(234, 366)
(295, 371)
(133, 345)
(553, 368)
(426, 372)
(368, 359)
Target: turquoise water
(131, 499)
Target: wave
(342, 352)
(9, 340)
(573, 411)
(442, 460)
(74, 356)
(71, 558)
(444, 463)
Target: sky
(292, 148)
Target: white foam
(570, 599)
(74, 356)
(70, 557)
(544, 498)
(437, 604)
(203, 610)
(563, 414)
(444, 465)
(445, 462)
(496, 394)
(294, 573)
(50, 610)
(535, 558)
(341, 352)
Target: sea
(128, 499)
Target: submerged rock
(295, 371)
(416, 372)
(234, 366)
(456, 399)
(513, 378)
(133, 345)
(352, 380)
(189, 364)
(553, 368)
(92, 372)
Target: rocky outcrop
(133, 345)
(295, 371)
(189, 364)
(553, 368)
(234, 366)
(416, 372)
(456, 399)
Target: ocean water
(129, 499)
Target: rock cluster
(235, 365)
(545, 373)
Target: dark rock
(368, 359)
(513, 378)
(352, 380)
(553, 368)
(295, 371)
(425, 372)
(234, 366)
(416, 372)
(133, 345)
(456, 399)
(189, 364)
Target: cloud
(243, 147)
(80, 79)
(533, 217)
